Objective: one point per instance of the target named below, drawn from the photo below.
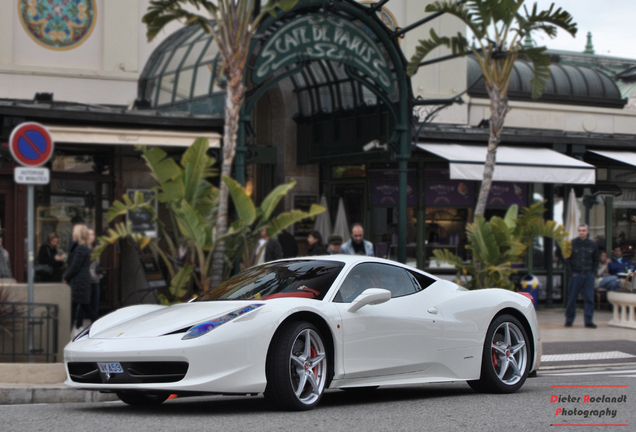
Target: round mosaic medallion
(58, 24)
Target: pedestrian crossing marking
(615, 373)
(586, 356)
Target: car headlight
(206, 327)
(84, 332)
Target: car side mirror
(370, 296)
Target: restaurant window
(538, 255)
(623, 222)
(385, 196)
(449, 207)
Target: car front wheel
(505, 359)
(296, 368)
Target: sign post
(31, 146)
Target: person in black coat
(79, 276)
(288, 243)
(50, 255)
(314, 239)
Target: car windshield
(301, 279)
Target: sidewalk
(552, 325)
(43, 383)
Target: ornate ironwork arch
(350, 35)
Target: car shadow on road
(223, 405)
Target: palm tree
(232, 24)
(499, 28)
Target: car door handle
(432, 310)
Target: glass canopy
(184, 74)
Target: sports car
(292, 328)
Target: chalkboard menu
(304, 202)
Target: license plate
(110, 368)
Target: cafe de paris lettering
(323, 37)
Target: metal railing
(15, 326)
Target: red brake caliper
(494, 357)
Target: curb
(15, 394)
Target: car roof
(351, 260)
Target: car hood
(168, 319)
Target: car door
(399, 336)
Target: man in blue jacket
(619, 263)
(357, 245)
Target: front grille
(134, 373)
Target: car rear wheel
(505, 360)
(142, 399)
(296, 368)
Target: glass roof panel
(165, 92)
(177, 58)
(160, 64)
(184, 86)
(202, 81)
(195, 53)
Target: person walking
(357, 245)
(314, 239)
(79, 277)
(581, 267)
(50, 255)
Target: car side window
(423, 280)
(373, 275)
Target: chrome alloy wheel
(509, 353)
(308, 366)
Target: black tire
(137, 398)
(296, 376)
(505, 363)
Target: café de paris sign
(323, 37)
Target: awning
(625, 157)
(533, 165)
(162, 138)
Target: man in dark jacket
(581, 268)
(288, 243)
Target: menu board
(449, 193)
(505, 194)
(304, 202)
(387, 192)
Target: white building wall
(106, 67)
(102, 70)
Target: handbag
(43, 269)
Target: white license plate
(110, 368)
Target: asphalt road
(431, 407)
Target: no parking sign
(31, 144)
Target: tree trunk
(498, 110)
(233, 103)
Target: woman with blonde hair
(78, 274)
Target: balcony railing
(17, 320)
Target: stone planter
(624, 309)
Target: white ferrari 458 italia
(292, 328)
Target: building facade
(330, 126)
